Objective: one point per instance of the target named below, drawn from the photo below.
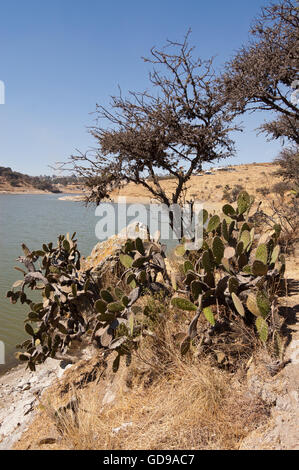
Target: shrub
(288, 161)
(15, 183)
(281, 188)
(230, 195)
(263, 191)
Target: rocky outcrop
(20, 391)
(280, 391)
(103, 250)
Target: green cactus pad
(106, 317)
(126, 260)
(209, 315)
(247, 269)
(22, 356)
(140, 261)
(206, 261)
(259, 268)
(106, 296)
(140, 246)
(66, 245)
(242, 261)
(115, 307)
(243, 202)
(262, 328)
(225, 230)
(262, 253)
(218, 249)
(221, 286)
(233, 284)
(29, 329)
(213, 223)
(116, 362)
(244, 226)
(196, 289)
(240, 248)
(245, 238)
(118, 292)
(188, 266)
(263, 303)
(203, 216)
(183, 304)
(33, 316)
(228, 210)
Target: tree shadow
(289, 287)
(289, 314)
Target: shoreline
(18, 193)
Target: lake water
(34, 220)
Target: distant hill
(13, 181)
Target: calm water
(34, 220)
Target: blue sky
(59, 58)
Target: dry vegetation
(163, 400)
(195, 407)
(171, 402)
(210, 188)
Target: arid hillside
(215, 185)
(25, 188)
(19, 183)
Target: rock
(61, 371)
(20, 389)
(103, 250)
(122, 426)
(108, 398)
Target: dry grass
(209, 188)
(198, 407)
(169, 401)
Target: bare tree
(263, 74)
(171, 131)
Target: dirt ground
(210, 187)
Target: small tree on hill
(288, 161)
(263, 75)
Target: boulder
(106, 248)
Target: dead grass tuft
(198, 407)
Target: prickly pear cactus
(233, 269)
(73, 305)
